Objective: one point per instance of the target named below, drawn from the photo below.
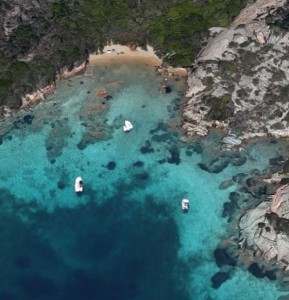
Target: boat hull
(127, 126)
(78, 186)
(185, 205)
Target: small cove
(125, 237)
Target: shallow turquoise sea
(125, 237)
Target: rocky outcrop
(19, 11)
(31, 99)
(264, 230)
(241, 77)
(241, 80)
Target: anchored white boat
(127, 126)
(185, 204)
(78, 186)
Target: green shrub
(175, 28)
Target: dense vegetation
(63, 32)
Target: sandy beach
(119, 53)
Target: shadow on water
(117, 250)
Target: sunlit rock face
(241, 77)
(264, 233)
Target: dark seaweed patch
(175, 156)
(142, 176)
(198, 148)
(234, 197)
(162, 161)
(82, 144)
(219, 278)
(28, 119)
(17, 124)
(168, 89)
(147, 149)
(161, 137)
(239, 178)
(215, 166)
(277, 161)
(238, 160)
(61, 185)
(111, 165)
(161, 127)
(258, 272)
(223, 258)
(189, 152)
(138, 164)
(229, 209)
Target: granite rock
(241, 77)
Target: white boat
(185, 204)
(78, 186)
(127, 126)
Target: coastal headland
(239, 83)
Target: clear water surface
(125, 237)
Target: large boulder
(264, 229)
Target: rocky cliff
(240, 78)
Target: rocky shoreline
(39, 95)
(239, 84)
(257, 239)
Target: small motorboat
(127, 126)
(185, 205)
(78, 186)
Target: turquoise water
(125, 237)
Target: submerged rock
(231, 141)
(215, 166)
